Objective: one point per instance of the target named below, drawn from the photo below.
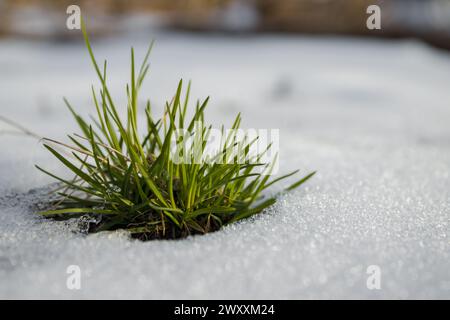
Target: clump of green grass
(128, 181)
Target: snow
(371, 116)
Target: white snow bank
(372, 117)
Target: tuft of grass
(128, 181)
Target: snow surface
(373, 117)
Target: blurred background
(427, 20)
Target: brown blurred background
(427, 20)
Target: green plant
(132, 182)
